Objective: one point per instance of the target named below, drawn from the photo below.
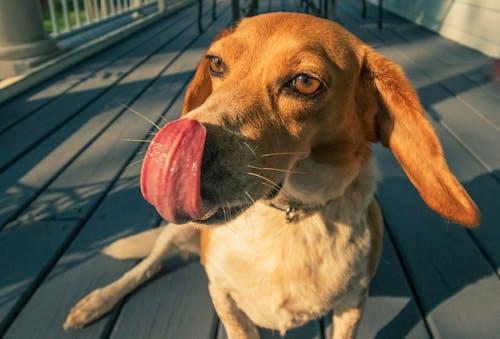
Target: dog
(269, 176)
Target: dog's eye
(305, 84)
(216, 66)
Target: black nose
(209, 172)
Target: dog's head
(279, 90)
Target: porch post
(235, 6)
(23, 41)
(161, 6)
(331, 9)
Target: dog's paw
(88, 309)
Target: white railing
(73, 15)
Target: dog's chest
(284, 274)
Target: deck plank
(175, 305)
(75, 192)
(482, 97)
(100, 88)
(311, 330)
(432, 62)
(22, 182)
(452, 279)
(446, 257)
(82, 256)
(21, 268)
(479, 137)
(17, 109)
(391, 310)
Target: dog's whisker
(133, 164)
(141, 115)
(229, 209)
(137, 140)
(225, 212)
(280, 188)
(249, 196)
(275, 185)
(268, 185)
(283, 153)
(276, 169)
(162, 117)
(250, 148)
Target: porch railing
(67, 16)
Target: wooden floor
(69, 186)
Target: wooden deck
(69, 186)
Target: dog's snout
(208, 162)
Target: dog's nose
(209, 172)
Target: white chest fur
(285, 274)
(282, 274)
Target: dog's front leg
(236, 323)
(347, 315)
(172, 240)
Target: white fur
(281, 274)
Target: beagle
(269, 176)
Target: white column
(23, 41)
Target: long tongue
(170, 177)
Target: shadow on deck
(70, 173)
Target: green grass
(47, 24)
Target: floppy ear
(403, 128)
(201, 86)
(199, 89)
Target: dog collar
(293, 209)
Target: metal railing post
(235, 5)
(66, 15)
(161, 6)
(76, 9)
(331, 9)
(87, 13)
(53, 18)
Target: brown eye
(216, 66)
(305, 84)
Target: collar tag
(291, 214)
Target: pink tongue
(170, 178)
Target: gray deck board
(155, 101)
(97, 89)
(21, 268)
(392, 310)
(98, 164)
(26, 177)
(66, 192)
(451, 270)
(178, 306)
(452, 279)
(311, 330)
(477, 132)
(17, 109)
(473, 122)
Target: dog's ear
(201, 86)
(199, 89)
(402, 127)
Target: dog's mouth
(170, 177)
